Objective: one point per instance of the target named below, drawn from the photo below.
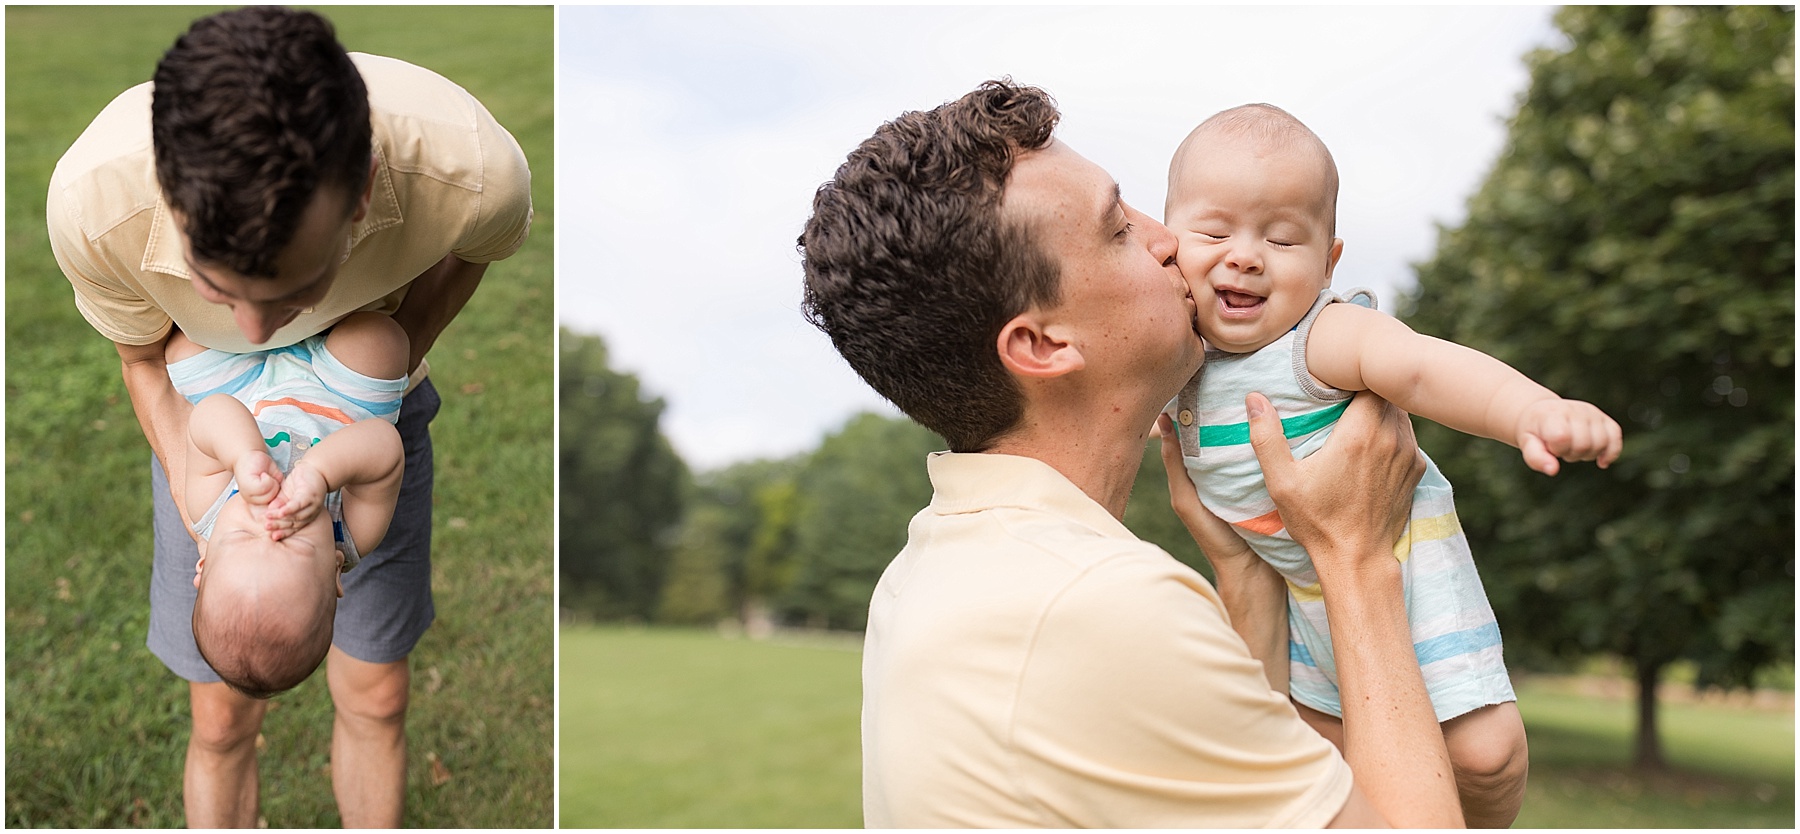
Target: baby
(293, 468)
(1253, 203)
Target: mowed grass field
(666, 728)
(96, 728)
(686, 729)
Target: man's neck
(1098, 453)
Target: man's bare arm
(161, 412)
(433, 300)
(1254, 595)
(1347, 504)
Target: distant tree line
(798, 541)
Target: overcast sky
(690, 142)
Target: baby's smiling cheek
(1187, 262)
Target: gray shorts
(387, 598)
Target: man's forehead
(1059, 187)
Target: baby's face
(240, 546)
(1253, 224)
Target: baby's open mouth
(1238, 300)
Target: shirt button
(1186, 417)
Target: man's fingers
(1179, 485)
(1267, 440)
(1214, 537)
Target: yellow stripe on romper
(1420, 530)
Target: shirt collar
(969, 483)
(164, 251)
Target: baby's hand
(302, 497)
(1567, 429)
(258, 478)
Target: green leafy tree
(854, 498)
(696, 590)
(1633, 247)
(770, 564)
(736, 546)
(622, 487)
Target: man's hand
(302, 498)
(1221, 545)
(1352, 497)
(1346, 504)
(1567, 429)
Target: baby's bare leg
(370, 344)
(1488, 752)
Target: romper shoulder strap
(1308, 383)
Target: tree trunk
(1648, 754)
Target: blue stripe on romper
(1430, 651)
(235, 385)
(1458, 642)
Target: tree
(1633, 247)
(855, 496)
(621, 487)
(736, 548)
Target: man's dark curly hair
(912, 271)
(253, 110)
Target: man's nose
(1158, 238)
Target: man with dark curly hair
(1029, 662)
(265, 186)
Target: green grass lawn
(1731, 767)
(664, 728)
(689, 730)
(96, 728)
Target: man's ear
(1030, 347)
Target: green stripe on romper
(1239, 433)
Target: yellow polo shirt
(449, 180)
(1031, 663)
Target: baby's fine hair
(1267, 125)
(254, 650)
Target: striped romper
(1453, 627)
(299, 395)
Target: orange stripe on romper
(1267, 525)
(310, 408)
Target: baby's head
(263, 615)
(1253, 205)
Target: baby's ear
(200, 565)
(1331, 260)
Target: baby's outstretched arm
(365, 460)
(1357, 349)
(224, 442)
